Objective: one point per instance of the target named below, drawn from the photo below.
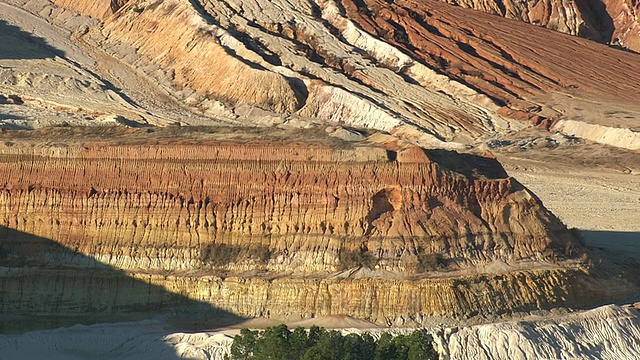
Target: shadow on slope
(470, 165)
(599, 25)
(44, 285)
(627, 243)
(16, 44)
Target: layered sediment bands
(490, 54)
(611, 21)
(433, 73)
(194, 54)
(283, 57)
(63, 292)
(383, 301)
(305, 206)
(379, 230)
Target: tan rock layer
(193, 57)
(306, 211)
(265, 237)
(96, 9)
(383, 301)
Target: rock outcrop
(380, 230)
(435, 74)
(613, 22)
(609, 332)
(303, 204)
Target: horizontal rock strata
(172, 207)
(379, 230)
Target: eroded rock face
(435, 74)
(379, 230)
(179, 206)
(611, 22)
(605, 333)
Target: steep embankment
(379, 230)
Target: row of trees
(280, 343)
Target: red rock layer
(263, 228)
(174, 206)
(502, 58)
(611, 21)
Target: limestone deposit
(604, 333)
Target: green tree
(356, 347)
(273, 344)
(315, 333)
(386, 348)
(279, 343)
(328, 347)
(244, 345)
(298, 343)
(415, 346)
(420, 346)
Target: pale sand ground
(603, 203)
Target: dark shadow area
(615, 256)
(470, 165)
(598, 24)
(9, 101)
(10, 117)
(16, 44)
(44, 285)
(625, 243)
(12, 126)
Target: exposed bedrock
(612, 22)
(380, 230)
(435, 74)
(300, 207)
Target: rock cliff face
(380, 230)
(304, 205)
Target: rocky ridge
(437, 75)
